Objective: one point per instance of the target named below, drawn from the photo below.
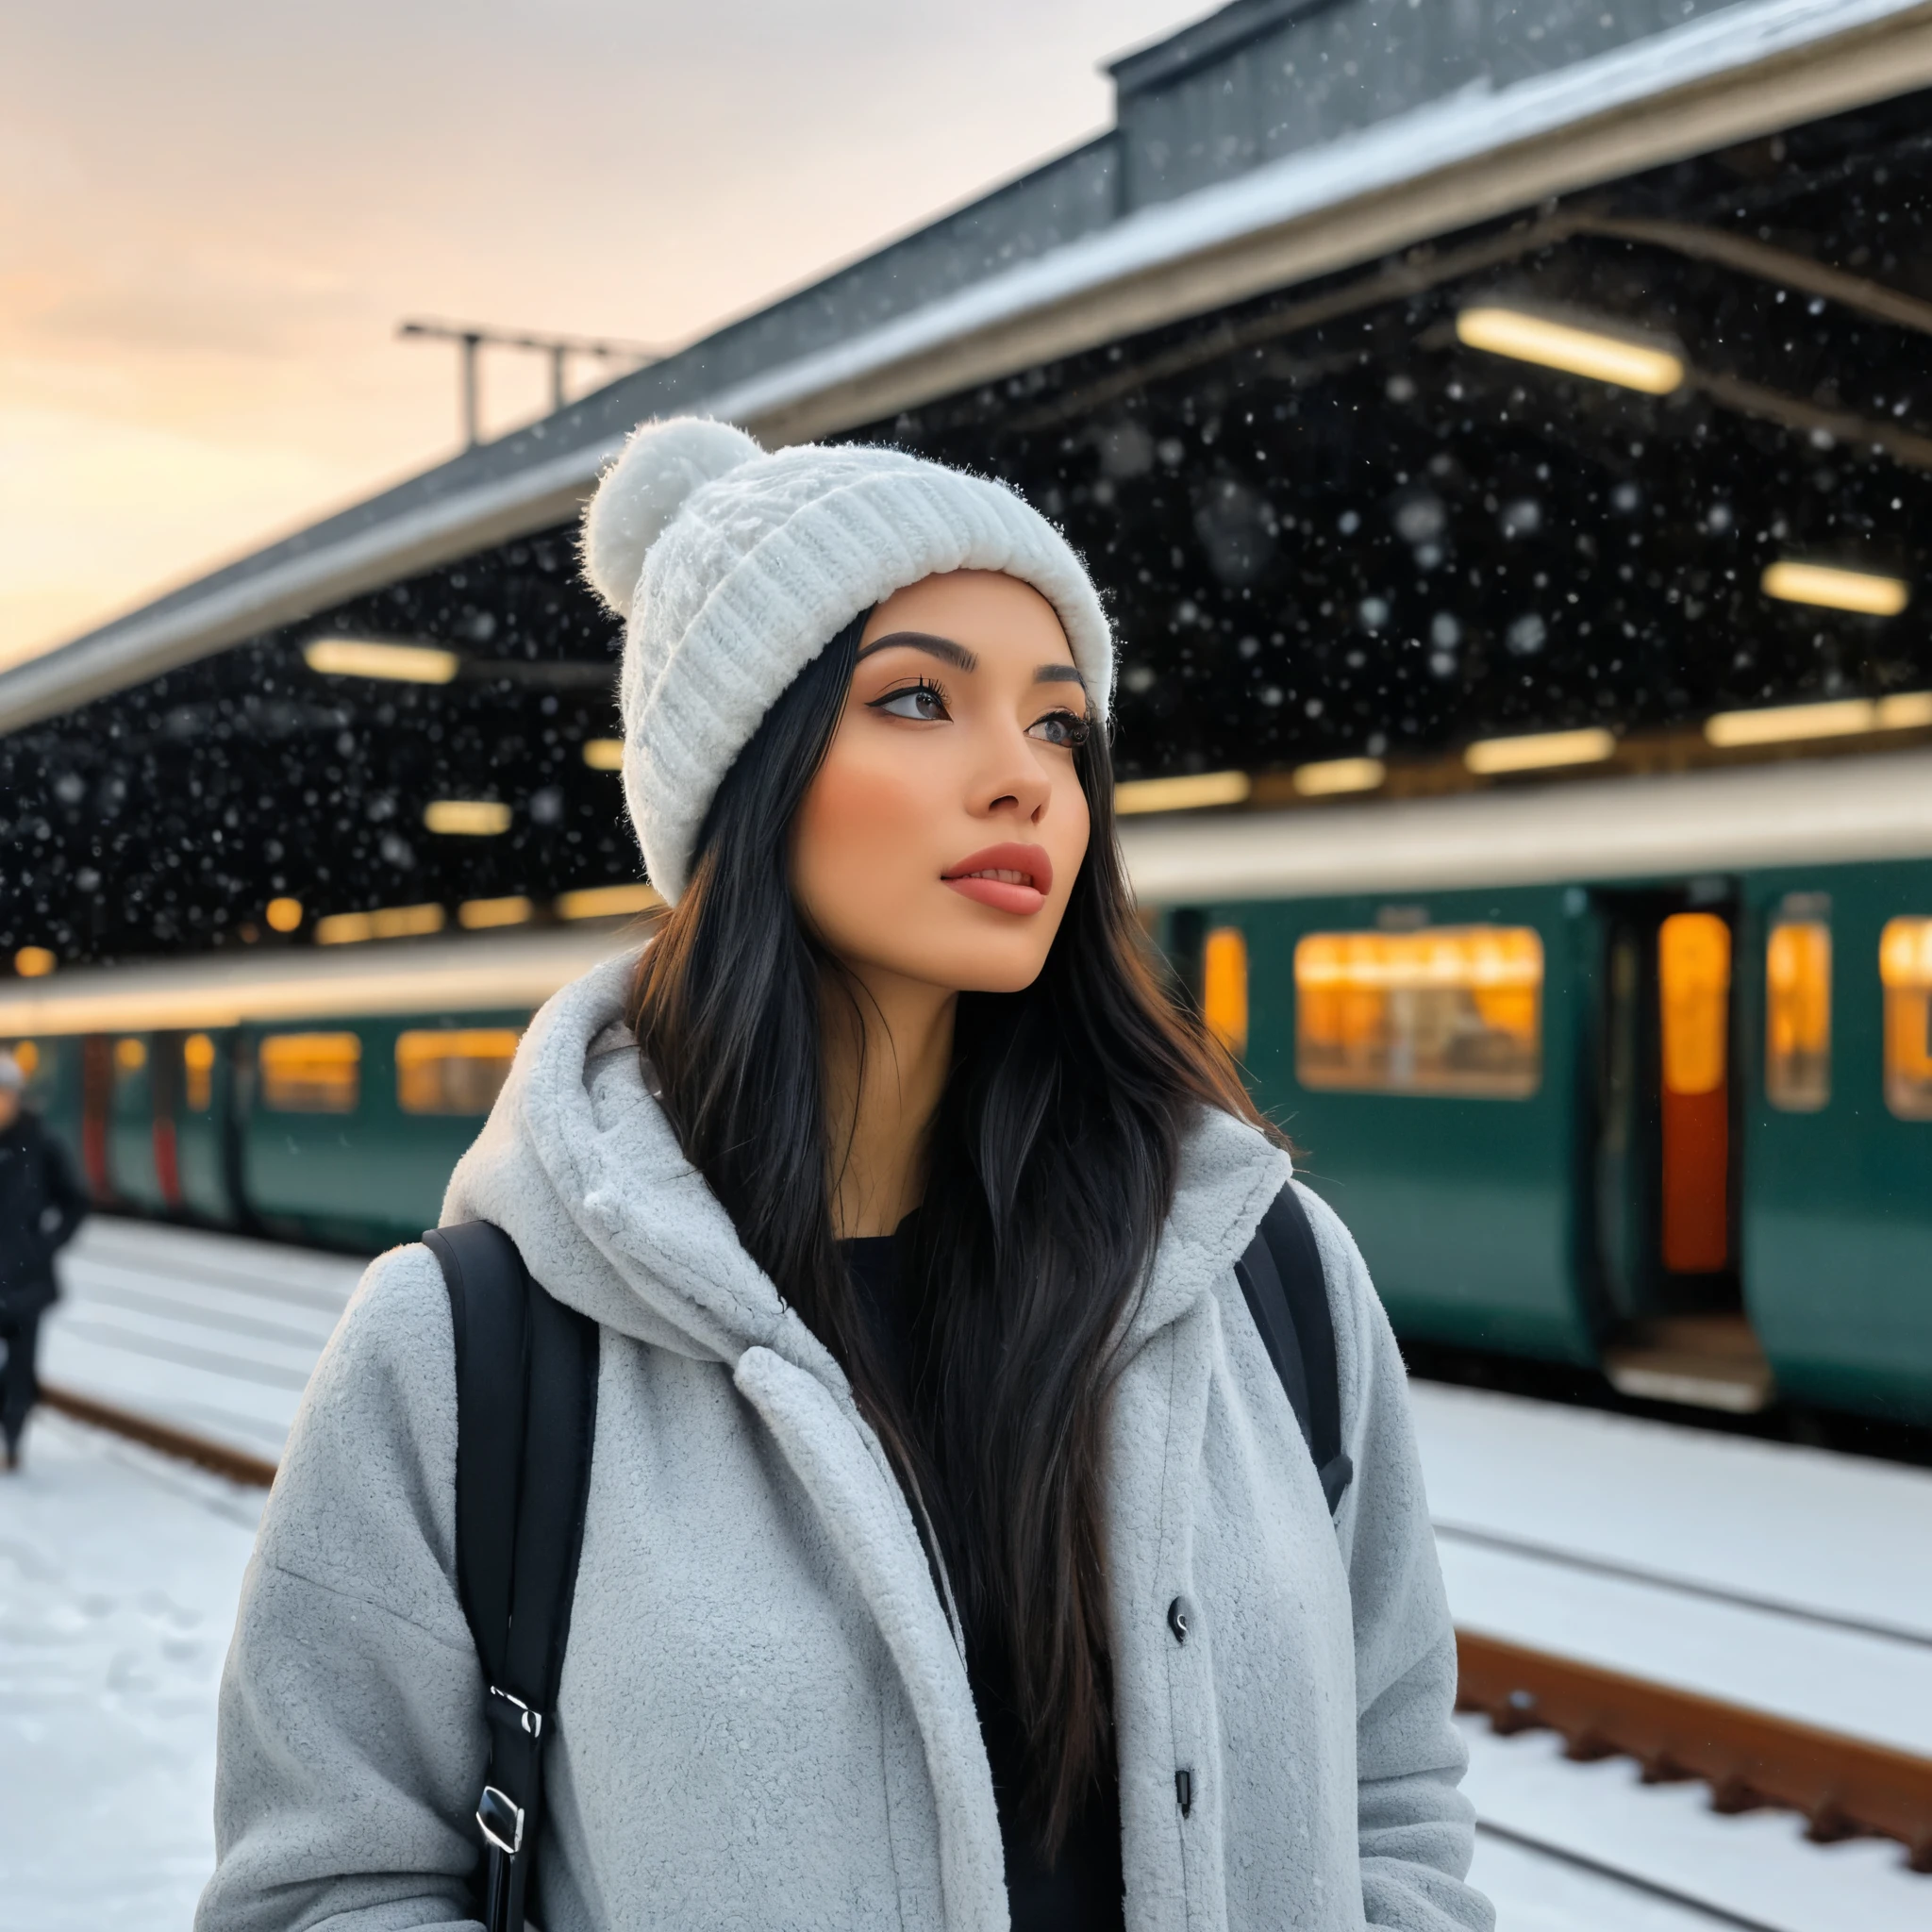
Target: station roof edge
(1734, 75)
(1802, 813)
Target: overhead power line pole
(472, 337)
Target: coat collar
(579, 1164)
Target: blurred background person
(40, 1208)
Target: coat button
(1180, 1618)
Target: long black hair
(1052, 1165)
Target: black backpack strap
(527, 1411)
(1287, 1294)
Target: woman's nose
(1014, 782)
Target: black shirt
(1080, 1891)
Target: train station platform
(210, 1334)
(1790, 1583)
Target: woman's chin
(969, 963)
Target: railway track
(1749, 1758)
(1843, 1786)
(237, 1465)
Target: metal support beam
(470, 338)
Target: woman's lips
(1009, 879)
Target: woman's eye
(1062, 728)
(922, 701)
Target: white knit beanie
(734, 568)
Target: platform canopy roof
(1273, 142)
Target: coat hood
(580, 1166)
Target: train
(1630, 1076)
(301, 1094)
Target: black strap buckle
(501, 1821)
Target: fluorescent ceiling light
(1182, 795)
(1330, 776)
(466, 818)
(1538, 751)
(1869, 594)
(608, 902)
(1839, 718)
(1910, 711)
(474, 915)
(603, 754)
(387, 922)
(367, 657)
(1781, 723)
(1628, 361)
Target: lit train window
(1224, 987)
(1797, 1015)
(459, 1071)
(198, 1063)
(1695, 981)
(1904, 964)
(130, 1057)
(310, 1073)
(1447, 1010)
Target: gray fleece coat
(764, 1719)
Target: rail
(1842, 1785)
(236, 1464)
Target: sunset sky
(213, 214)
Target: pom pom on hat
(639, 493)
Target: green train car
(310, 1095)
(1633, 1074)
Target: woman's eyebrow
(1058, 674)
(942, 648)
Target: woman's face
(941, 837)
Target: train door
(1668, 1146)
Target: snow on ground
(1841, 1534)
(1592, 1848)
(1787, 1578)
(118, 1575)
(211, 1333)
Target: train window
(198, 1063)
(1447, 1010)
(310, 1073)
(1797, 1015)
(1224, 987)
(130, 1057)
(453, 1070)
(1904, 964)
(1693, 962)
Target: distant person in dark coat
(41, 1206)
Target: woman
(907, 1211)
